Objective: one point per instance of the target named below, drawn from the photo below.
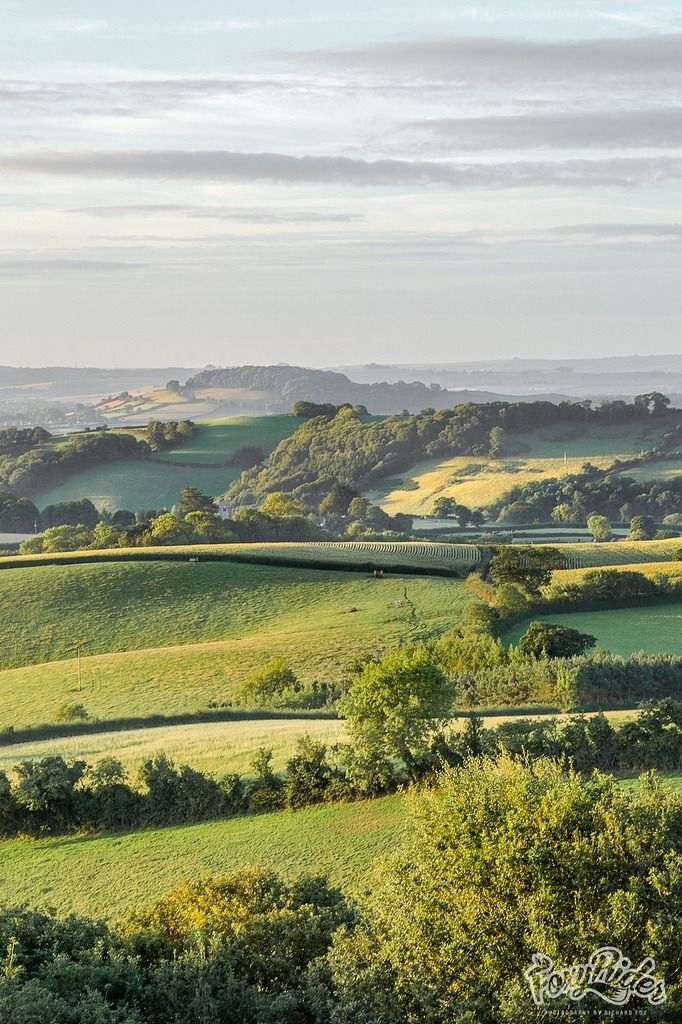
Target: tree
(47, 788)
(448, 508)
(275, 681)
(106, 536)
(281, 505)
(654, 402)
(496, 440)
(563, 513)
(642, 528)
(248, 457)
(599, 527)
(168, 529)
(209, 527)
(71, 712)
(392, 705)
(511, 860)
(336, 502)
(69, 513)
(194, 500)
(549, 640)
(521, 512)
(528, 567)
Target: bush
(71, 712)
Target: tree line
(349, 450)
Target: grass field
(623, 631)
(671, 570)
(478, 482)
(109, 876)
(628, 554)
(157, 482)
(216, 747)
(167, 637)
(657, 469)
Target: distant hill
(285, 385)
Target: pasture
(477, 481)
(167, 637)
(109, 876)
(654, 629)
(156, 482)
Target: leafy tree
(497, 440)
(247, 457)
(564, 513)
(528, 567)
(71, 712)
(510, 860)
(642, 528)
(276, 681)
(549, 640)
(193, 500)
(336, 502)
(209, 528)
(47, 788)
(392, 705)
(281, 505)
(168, 529)
(69, 513)
(520, 512)
(599, 527)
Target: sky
(325, 183)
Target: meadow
(478, 481)
(217, 747)
(167, 637)
(654, 629)
(156, 482)
(108, 876)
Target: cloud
(279, 168)
(603, 129)
(46, 265)
(497, 59)
(224, 213)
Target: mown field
(478, 482)
(214, 747)
(167, 637)
(155, 483)
(108, 876)
(628, 554)
(654, 629)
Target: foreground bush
(511, 859)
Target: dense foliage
(507, 859)
(349, 450)
(289, 384)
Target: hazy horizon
(377, 184)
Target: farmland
(156, 482)
(108, 876)
(217, 747)
(167, 637)
(624, 631)
(479, 481)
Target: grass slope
(109, 876)
(478, 482)
(156, 482)
(623, 631)
(106, 877)
(628, 554)
(167, 637)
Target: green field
(167, 637)
(157, 482)
(623, 631)
(628, 554)
(215, 747)
(477, 481)
(109, 876)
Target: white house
(225, 508)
